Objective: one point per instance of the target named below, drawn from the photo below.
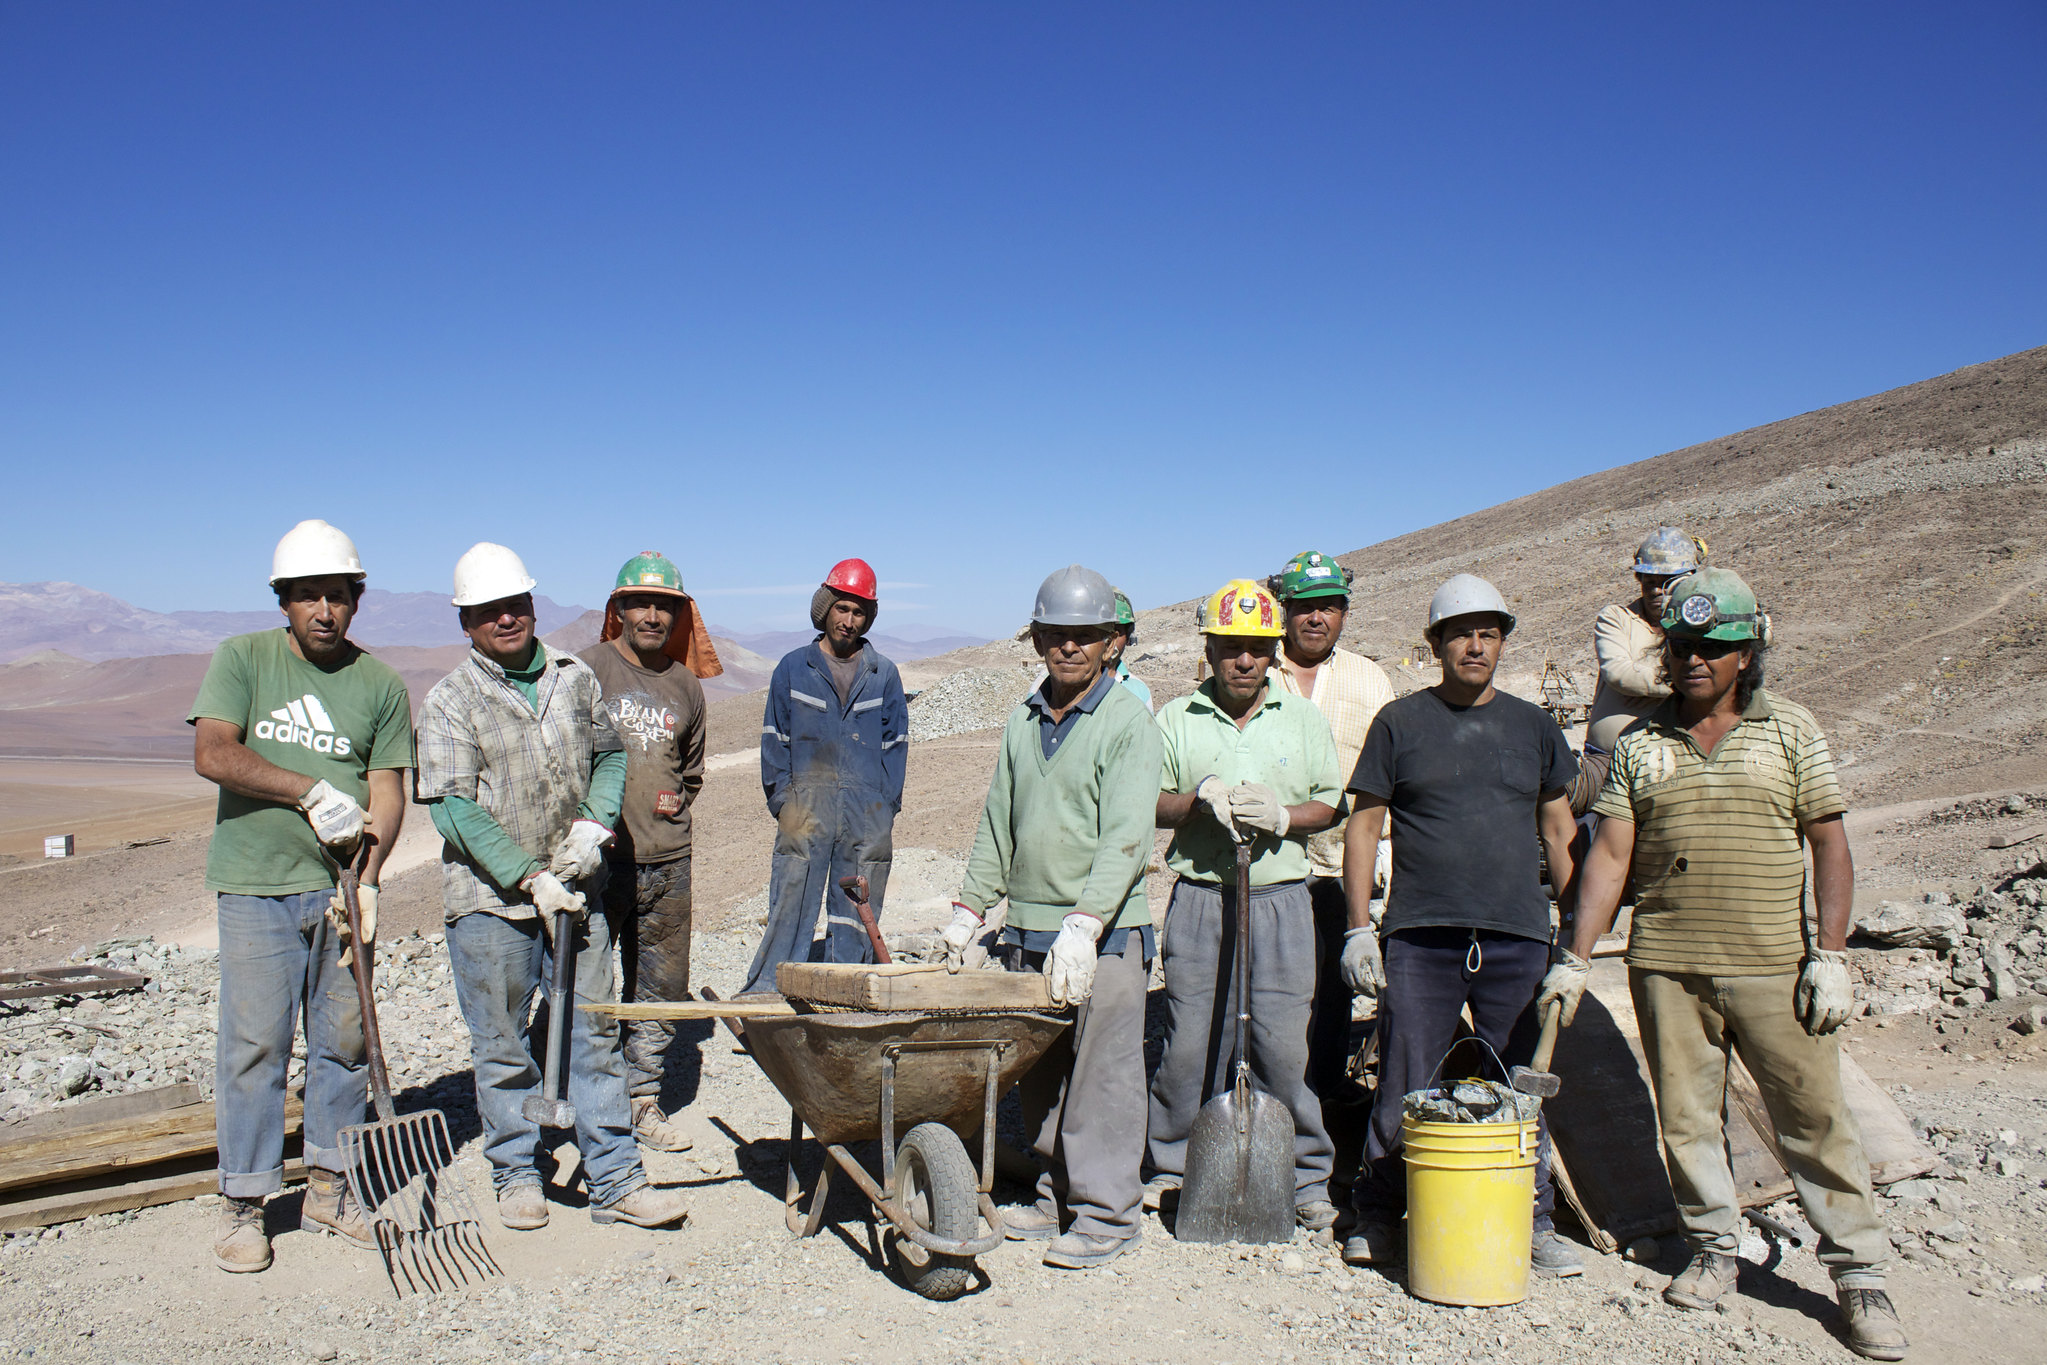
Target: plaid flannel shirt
(479, 738)
(1349, 690)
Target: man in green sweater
(523, 771)
(1065, 836)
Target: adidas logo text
(304, 722)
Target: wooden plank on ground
(912, 986)
(101, 1109)
(119, 1145)
(168, 1183)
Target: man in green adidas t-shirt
(1711, 800)
(308, 738)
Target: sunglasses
(1704, 649)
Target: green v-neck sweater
(1073, 832)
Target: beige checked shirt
(1349, 690)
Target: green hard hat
(1310, 574)
(1124, 615)
(1714, 604)
(648, 571)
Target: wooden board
(168, 1183)
(118, 1145)
(101, 1109)
(911, 986)
(691, 1009)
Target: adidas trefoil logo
(305, 723)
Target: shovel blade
(1239, 1184)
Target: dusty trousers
(821, 835)
(1083, 1103)
(648, 905)
(1201, 1010)
(1688, 1023)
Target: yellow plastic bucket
(1470, 1210)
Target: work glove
(336, 818)
(580, 852)
(1211, 792)
(1824, 995)
(960, 939)
(1364, 971)
(1253, 805)
(337, 915)
(551, 898)
(1565, 984)
(1070, 966)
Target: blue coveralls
(833, 773)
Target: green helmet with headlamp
(1715, 604)
(1310, 574)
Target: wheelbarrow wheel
(937, 1190)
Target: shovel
(400, 1169)
(1239, 1184)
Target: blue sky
(971, 290)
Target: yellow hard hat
(1242, 607)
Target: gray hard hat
(1075, 596)
(1464, 594)
(1666, 552)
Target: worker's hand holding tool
(1213, 793)
(581, 851)
(551, 898)
(1364, 971)
(1824, 995)
(1070, 966)
(960, 936)
(337, 915)
(336, 818)
(1253, 805)
(1565, 984)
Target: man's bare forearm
(219, 756)
(1360, 862)
(1833, 876)
(386, 818)
(1310, 817)
(1600, 883)
(1174, 808)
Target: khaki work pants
(1688, 1024)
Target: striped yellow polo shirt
(1719, 854)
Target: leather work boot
(1699, 1285)
(649, 1206)
(1029, 1223)
(1078, 1251)
(241, 1245)
(1873, 1326)
(329, 1207)
(1552, 1255)
(1376, 1240)
(1317, 1215)
(654, 1129)
(523, 1207)
(1161, 1190)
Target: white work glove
(1253, 805)
(335, 816)
(1564, 984)
(1824, 995)
(581, 851)
(1070, 966)
(1363, 969)
(551, 898)
(1212, 793)
(337, 915)
(960, 938)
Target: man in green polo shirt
(1245, 761)
(1711, 799)
(1065, 836)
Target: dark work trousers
(1329, 1025)
(1083, 1103)
(1200, 1059)
(1431, 975)
(821, 835)
(649, 908)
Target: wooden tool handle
(855, 888)
(1546, 1044)
(363, 969)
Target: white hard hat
(487, 573)
(1464, 594)
(313, 549)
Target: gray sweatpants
(1083, 1103)
(1201, 1018)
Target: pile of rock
(971, 699)
(1939, 951)
(1470, 1102)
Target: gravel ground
(971, 699)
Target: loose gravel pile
(971, 699)
(1941, 954)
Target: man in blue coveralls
(834, 743)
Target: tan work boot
(1699, 1285)
(649, 1206)
(523, 1207)
(329, 1207)
(241, 1245)
(654, 1129)
(1873, 1326)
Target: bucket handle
(1506, 1076)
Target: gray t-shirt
(843, 671)
(660, 720)
(1462, 784)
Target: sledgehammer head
(1528, 1081)
(549, 1113)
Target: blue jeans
(499, 963)
(821, 835)
(278, 957)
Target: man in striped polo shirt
(1712, 799)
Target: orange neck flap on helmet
(689, 644)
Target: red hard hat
(852, 576)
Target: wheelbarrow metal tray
(830, 1066)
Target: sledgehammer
(1537, 1079)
